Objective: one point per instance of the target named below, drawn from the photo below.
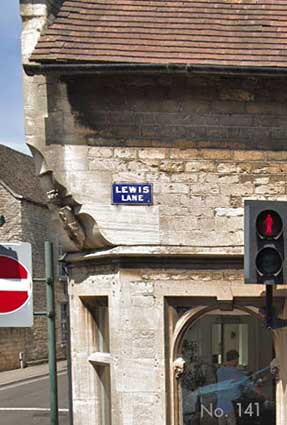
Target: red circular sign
(15, 285)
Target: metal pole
(269, 306)
(49, 266)
(69, 362)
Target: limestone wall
(184, 110)
(198, 193)
(205, 143)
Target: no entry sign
(16, 305)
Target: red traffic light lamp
(269, 225)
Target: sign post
(49, 265)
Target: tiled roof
(196, 32)
(17, 174)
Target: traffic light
(265, 229)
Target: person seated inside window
(229, 372)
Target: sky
(11, 91)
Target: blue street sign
(132, 193)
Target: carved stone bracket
(81, 229)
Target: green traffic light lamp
(2, 220)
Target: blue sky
(11, 97)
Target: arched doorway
(222, 368)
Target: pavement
(29, 373)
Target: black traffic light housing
(265, 252)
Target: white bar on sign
(15, 284)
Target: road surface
(27, 403)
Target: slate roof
(17, 174)
(242, 33)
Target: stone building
(27, 219)
(190, 97)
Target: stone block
(271, 189)
(227, 168)
(171, 166)
(185, 154)
(140, 375)
(126, 153)
(217, 154)
(143, 344)
(206, 224)
(276, 156)
(187, 178)
(214, 200)
(204, 188)
(142, 300)
(102, 152)
(229, 212)
(152, 153)
(249, 156)
(200, 166)
(179, 188)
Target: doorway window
(226, 378)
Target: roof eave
(35, 68)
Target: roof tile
(17, 172)
(220, 33)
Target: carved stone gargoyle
(179, 367)
(72, 226)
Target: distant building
(27, 219)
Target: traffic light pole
(49, 266)
(269, 306)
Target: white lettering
(124, 189)
(205, 409)
(146, 189)
(118, 189)
(132, 198)
(133, 189)
(218, 413)
(249, 410)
